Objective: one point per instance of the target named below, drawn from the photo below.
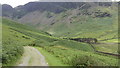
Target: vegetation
(67, 51)
(15, 36)
(93, 22)
(51, 59)
(107, 47)
(74, 57)
(69, 33)
(12, 44)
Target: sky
(15, 3)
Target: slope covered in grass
(80, 58)
(100, 22)
(16, 35)
(67, 51)
(12, 43)
(95, 22)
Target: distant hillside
(7, 11)
(71, 19)
(55, 7)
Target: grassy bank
(51, 59)
(76, 57)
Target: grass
(107, 47)
(74, 57)
(110, 41)
(51, 59)
(12, 43)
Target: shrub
(84, 60)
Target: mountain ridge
(73, 20)
(55, 7)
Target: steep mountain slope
(55, 7)
(95, 22)
(69, 19)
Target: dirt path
(32, 57)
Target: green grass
(51, 59)
(107, 47)
(75, 57)
(111, 41)
(12, 43)
(20, 26)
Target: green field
(107, 47)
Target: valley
(59, 48)
(65, 34)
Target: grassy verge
(52, 60)
(75, 57)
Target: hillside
(20, 35)
(56, 7)
(16, 35)
(66, 33)
(70, 19)
(92, 22)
